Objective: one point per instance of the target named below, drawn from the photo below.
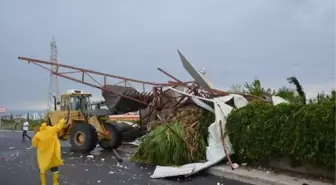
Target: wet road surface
(18, 166)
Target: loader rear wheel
(116, 138)
(83, 137)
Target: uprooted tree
(180, 140)
(299, 89)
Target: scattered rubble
(90, 156)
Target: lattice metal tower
(53, 86)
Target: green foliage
(174, 143)
(16, 125)
(256, 89)
(33, 124)
(164, 146)
(288, 94)
(237, 88)
(304, 133)
(323, 97)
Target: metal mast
(53, 83)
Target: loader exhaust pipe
(55, 103)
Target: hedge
(12, 125)
(260, 132)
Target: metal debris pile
(186, 124)
(178, 121)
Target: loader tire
(83, 137)
(116, 139)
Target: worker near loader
(49, 149)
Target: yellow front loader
(87, 127)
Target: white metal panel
(200, 78)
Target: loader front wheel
(116, 138)
(83, 137)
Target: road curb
(238, 177)
(14, 131)
(258, 177)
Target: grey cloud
(235, 41)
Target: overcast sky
(236, 41)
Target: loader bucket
(121, 105)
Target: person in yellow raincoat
(48, 150)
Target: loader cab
(76, 101)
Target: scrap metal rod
(89, 84)
(89, 71)
(223, 143)
(99, 87)
(119, 158)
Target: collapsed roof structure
(157, 101)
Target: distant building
(25, 116)
(19, 116)
(36, 116)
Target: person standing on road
(49, 149)
(25, 130)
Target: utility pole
(53, 83)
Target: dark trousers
(53, 169)
(24, 135)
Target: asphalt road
(18, 166)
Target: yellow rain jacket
(48, 146)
